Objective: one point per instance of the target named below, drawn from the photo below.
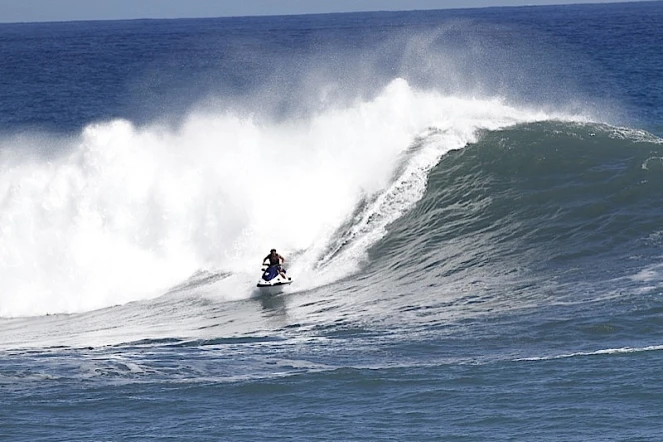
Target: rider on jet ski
(275, 260)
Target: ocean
(469, 203)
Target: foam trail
(125, 213)
(607, 351)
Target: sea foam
(123, 213)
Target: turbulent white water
(124, 213)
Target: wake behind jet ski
(273, 279)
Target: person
(275, 260)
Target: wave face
(563, 210)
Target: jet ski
(272, 282)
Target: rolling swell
(526, 207)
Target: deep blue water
(469, 203)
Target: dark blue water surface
(147, 69)
(469, 202)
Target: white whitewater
(123, 213)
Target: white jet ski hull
(274, 286)
(273, 289)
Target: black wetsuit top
(273, 260)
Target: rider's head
(272, 251)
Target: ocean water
(468, 201)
